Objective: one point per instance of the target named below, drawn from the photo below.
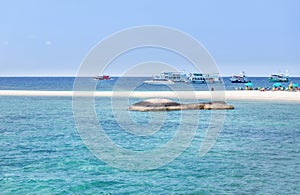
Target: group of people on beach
(291, 87)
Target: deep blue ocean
(66, 83)
(41, 151)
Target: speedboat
(102, 77)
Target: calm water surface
(257, 152)
(125, 84)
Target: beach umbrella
(277, 85)
(249, 84)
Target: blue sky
(51, 37)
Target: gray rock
(159, 104)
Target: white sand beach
(229, 95)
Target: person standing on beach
(291, 86)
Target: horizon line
(8, 76)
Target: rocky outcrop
(168, 105)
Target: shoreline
(229, 95)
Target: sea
(122, 83)
(42, 151)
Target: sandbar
(228, 95)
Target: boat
(102, 77)
(168, 78)
(196, 78)
(240, 78)
(174, 76)
(279, 77)
(199, 78)
(157, 80)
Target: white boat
(174, 76)
(199, 78)
(240, 78)
(157, 80)
(168, 78)
(279, 77)
(102, 77)
(196, 78)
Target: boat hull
(104, 77)
(279, 80)
(153, 82)
(197, 82)
(239, 81)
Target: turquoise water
(41, 152)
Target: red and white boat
(102, 77)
